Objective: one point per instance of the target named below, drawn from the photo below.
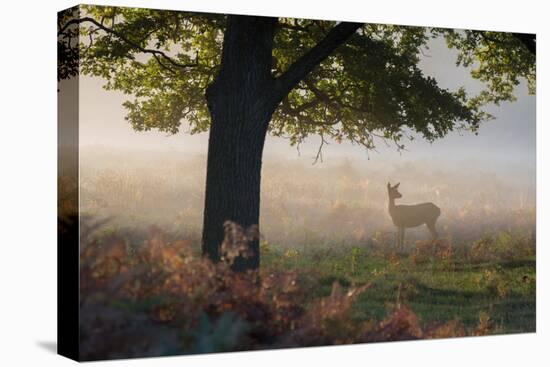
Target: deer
(409, 216)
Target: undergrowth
(162, 298)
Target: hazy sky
(507, 141)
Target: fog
(339, 201)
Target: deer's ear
(396, 186)
(389, 185)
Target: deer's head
(392, 191)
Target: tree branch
(319, 155)
(328, 100)
(318, 93)
(528, 40)
(155, 53)
(305, 64)
(299, 109)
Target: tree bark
(240, 101)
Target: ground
(438, 284)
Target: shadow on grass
(513, 314)
(508, 265)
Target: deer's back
(415, 215)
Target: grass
(461, 287)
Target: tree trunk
(240, 101)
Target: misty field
(330, 271)
(338, 203)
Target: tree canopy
(370, 86)
(241, 77)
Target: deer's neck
(391, 206)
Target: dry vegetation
(161, 299)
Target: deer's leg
(397, 238)
(431, 227)
(401, 237)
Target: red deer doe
(408, 216)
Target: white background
(28, 183)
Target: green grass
(502, 288)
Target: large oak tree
(242, 77)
